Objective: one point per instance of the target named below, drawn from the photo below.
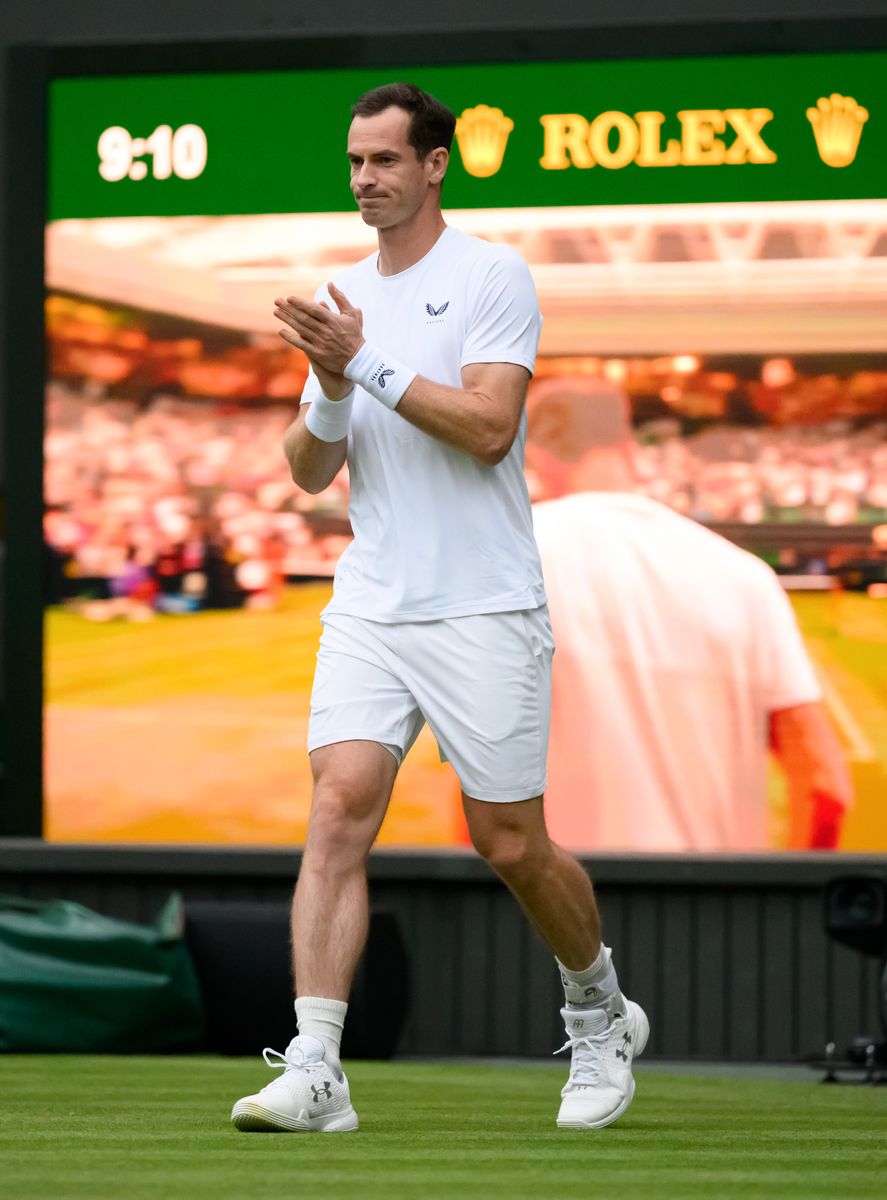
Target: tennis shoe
(309, 1097)
(601, 1085)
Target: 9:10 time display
(181, 152)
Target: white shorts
(483, 684)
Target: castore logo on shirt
(436, 314)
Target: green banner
(801, 127)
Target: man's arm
(313, 464)
(481, 418)
(819, 786)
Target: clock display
(181, 152)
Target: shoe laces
(296, 1057)
(588, 1051)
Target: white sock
(323, 1019)
(595, 987)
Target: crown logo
(482, 134)
(837, 126)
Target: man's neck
(401, 247)
(609, 470)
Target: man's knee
(508, 845)
(348, 805)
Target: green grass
(846, 635)
(241, 653)
(252, 672)
(139, 1128)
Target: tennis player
(420, 360)
(680, 663)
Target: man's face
(389, 182)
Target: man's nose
(366, 176)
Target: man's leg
(604, 1030)
(352, 787)
(549, 884)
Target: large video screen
(708, 239)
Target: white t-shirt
(436, 533)
(673, 646)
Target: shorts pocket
(537, 630)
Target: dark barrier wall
(729, 959)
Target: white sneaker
(309, 1097)
(601, 1086)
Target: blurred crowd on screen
(832, 474)
(179, 504)
(777, 444)
(176, 505)
(166, 488)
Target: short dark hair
(431, 123)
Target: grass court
(192, 728)
(91, 1128)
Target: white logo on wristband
(383, 377)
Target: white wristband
(330, 420)
(379, 374)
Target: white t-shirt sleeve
(504, 322)
(312, 389)
(788, 674)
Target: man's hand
(820, 790)
(334, 387)
(330, 340)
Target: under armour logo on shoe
(622, 1051)
(437, 312)
(325, 1092)
(382, 377)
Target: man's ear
(550, 427)
(436, 164)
